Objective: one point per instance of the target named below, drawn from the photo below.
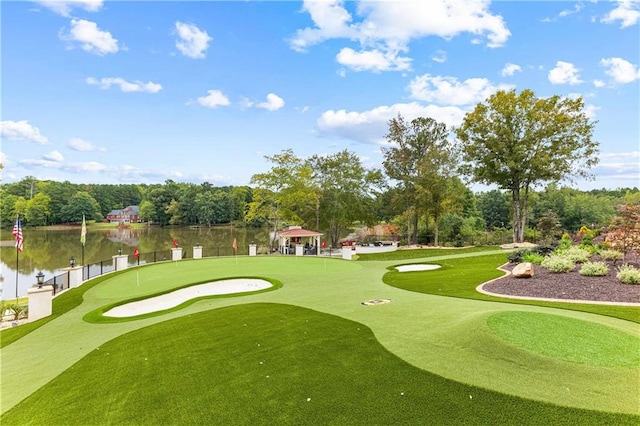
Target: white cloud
(590, 111)
(564, 73)
(620, 166)
(125, 86)
(54, 156)
(83, 167)
(599, 83)
(128, 173)
(64, 7)
(214, 98)
(193, 42)
(83, 146)
(626, 11)
(21, 130)
(510, 69)
(91, 38)
(373, 60)
(440, 56)
(386, 28)
(449, 91)
(576, 8)
(371, 126)
(620, 71)
(273, 102)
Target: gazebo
(299, 241)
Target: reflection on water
(49, 250)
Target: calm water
(49, 251)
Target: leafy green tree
(549, 225)
(160, 198)
(347, 191)
(283, 193)
(147, 211)
(81, 204)
(59, 193)
(494, 206)
(7, 207)
(424, 162)
(517, 141)
(173, 210)
(37, 213)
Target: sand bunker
(416, 267)
(175, 298)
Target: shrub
(557, 263)
(534, 258)
(611, 255)
(565, 242)
(545, 250)
(576, 254)
(594, 269)
(517, 255)
(627, 274)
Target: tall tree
(517, 141)
(81, 204)
(282, 193)
(347, 191)
(424, 161)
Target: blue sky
(141, 92)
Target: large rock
(523, 270)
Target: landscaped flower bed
(571, 285)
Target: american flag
(17, 233)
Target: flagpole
(17, 271)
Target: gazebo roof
(299, 232)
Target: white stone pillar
(253, 250)
(40, 302)
(120, 262)
(176, 253)
(347, 252)
(75, 275)
(299, 250)
(197, 252)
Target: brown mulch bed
(570, 285)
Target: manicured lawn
(459, 277)
(421, 253)
(269, 364)
(199, 364)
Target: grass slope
(269, 364)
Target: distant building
(126, 215)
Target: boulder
(523, 270)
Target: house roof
(298, 233)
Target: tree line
(522, 144)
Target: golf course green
(307, 351)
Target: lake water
(49, 250)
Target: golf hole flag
(235, 245)
(136, 253)
(175, 243)
(17, 233)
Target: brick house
(126, 215)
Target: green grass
(459, 277)
(421, 253)
(62, 304)
(269, 364)
(567, 339)
(446, 339)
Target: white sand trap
(416, 267)
(175, 298)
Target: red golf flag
(324, 244)
(175, 243)
(136, 253)
(235, 245)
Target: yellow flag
(83, 233)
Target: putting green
(567, 339)
(447, 336)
